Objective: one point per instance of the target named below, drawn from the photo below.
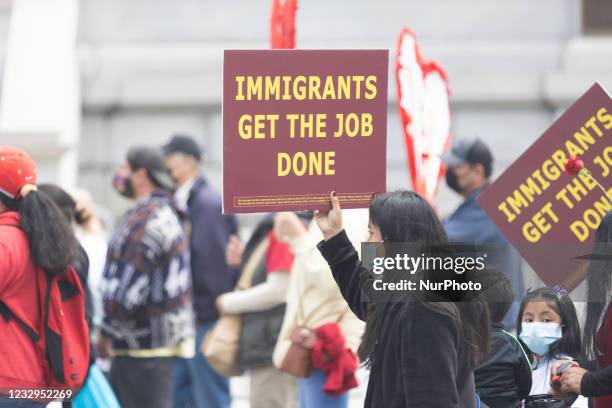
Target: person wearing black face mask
(142, 173)
(122, 182)
(469, 165)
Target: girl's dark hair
(52, 242)
(569, 344)
(64, 202)
(404, 216)
(599, 286)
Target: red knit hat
(17, 170)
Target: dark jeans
(143, 382)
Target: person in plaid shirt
(146, 287)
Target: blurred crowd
(177, 300)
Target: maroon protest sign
(548, 215)
(298, 124)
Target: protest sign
(548, 215)
(298, 124)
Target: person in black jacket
(197, 384)
(504, 379)
(421, 353)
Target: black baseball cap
(152, 161)
(473, 151)
(183, 144)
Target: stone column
(40, 105)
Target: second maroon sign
(550, 216)
(300, 123)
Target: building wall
(151, 68)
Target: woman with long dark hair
(421, 353)
(66, 204)
(35, 238)
(80, 261)
(597, 337)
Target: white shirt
(181, 195)
(541, 381)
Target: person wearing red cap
(34, 237)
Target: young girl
(548, 327)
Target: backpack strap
(67, 290)
(53, 341)
(7, 315)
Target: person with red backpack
(44, 346)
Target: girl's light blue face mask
(538, 336)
